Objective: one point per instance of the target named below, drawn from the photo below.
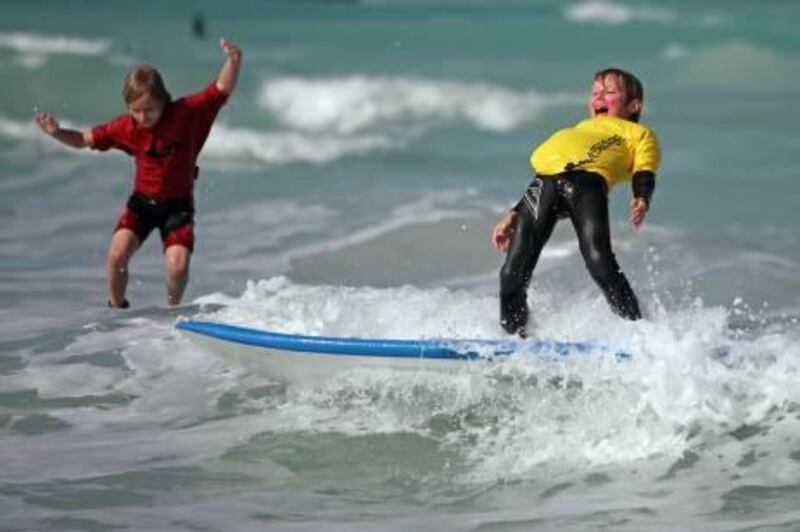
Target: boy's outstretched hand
(638, 211)
(47, 123)
(231, 50)
(226, 82)
(501, 235)
(70, 137)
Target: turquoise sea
(349, 188)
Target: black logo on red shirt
(161, 147)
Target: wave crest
(18, 130)
(37, 44)
(287, 147)
(355, 103)
(605, 12)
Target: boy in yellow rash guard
(575, 168)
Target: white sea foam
(279, 304)
(355, 103)
(16, 130)
(614, 13)
(536, 416)
(38, 44)
(276, 148)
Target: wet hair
(142, 80)
(633, 87)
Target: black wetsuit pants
(583, 197)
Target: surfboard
(297, 357)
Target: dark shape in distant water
(199, 26)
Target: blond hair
(142, 80)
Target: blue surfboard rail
(453, 349)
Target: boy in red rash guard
(165, 138)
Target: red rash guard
(166, 153)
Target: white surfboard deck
(297, 358)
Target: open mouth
(600, 111)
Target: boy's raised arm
(70, 137)
(226, 82)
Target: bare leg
(123, 245)
(177, 259)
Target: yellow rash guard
(612, 147)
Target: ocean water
(349, 188)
